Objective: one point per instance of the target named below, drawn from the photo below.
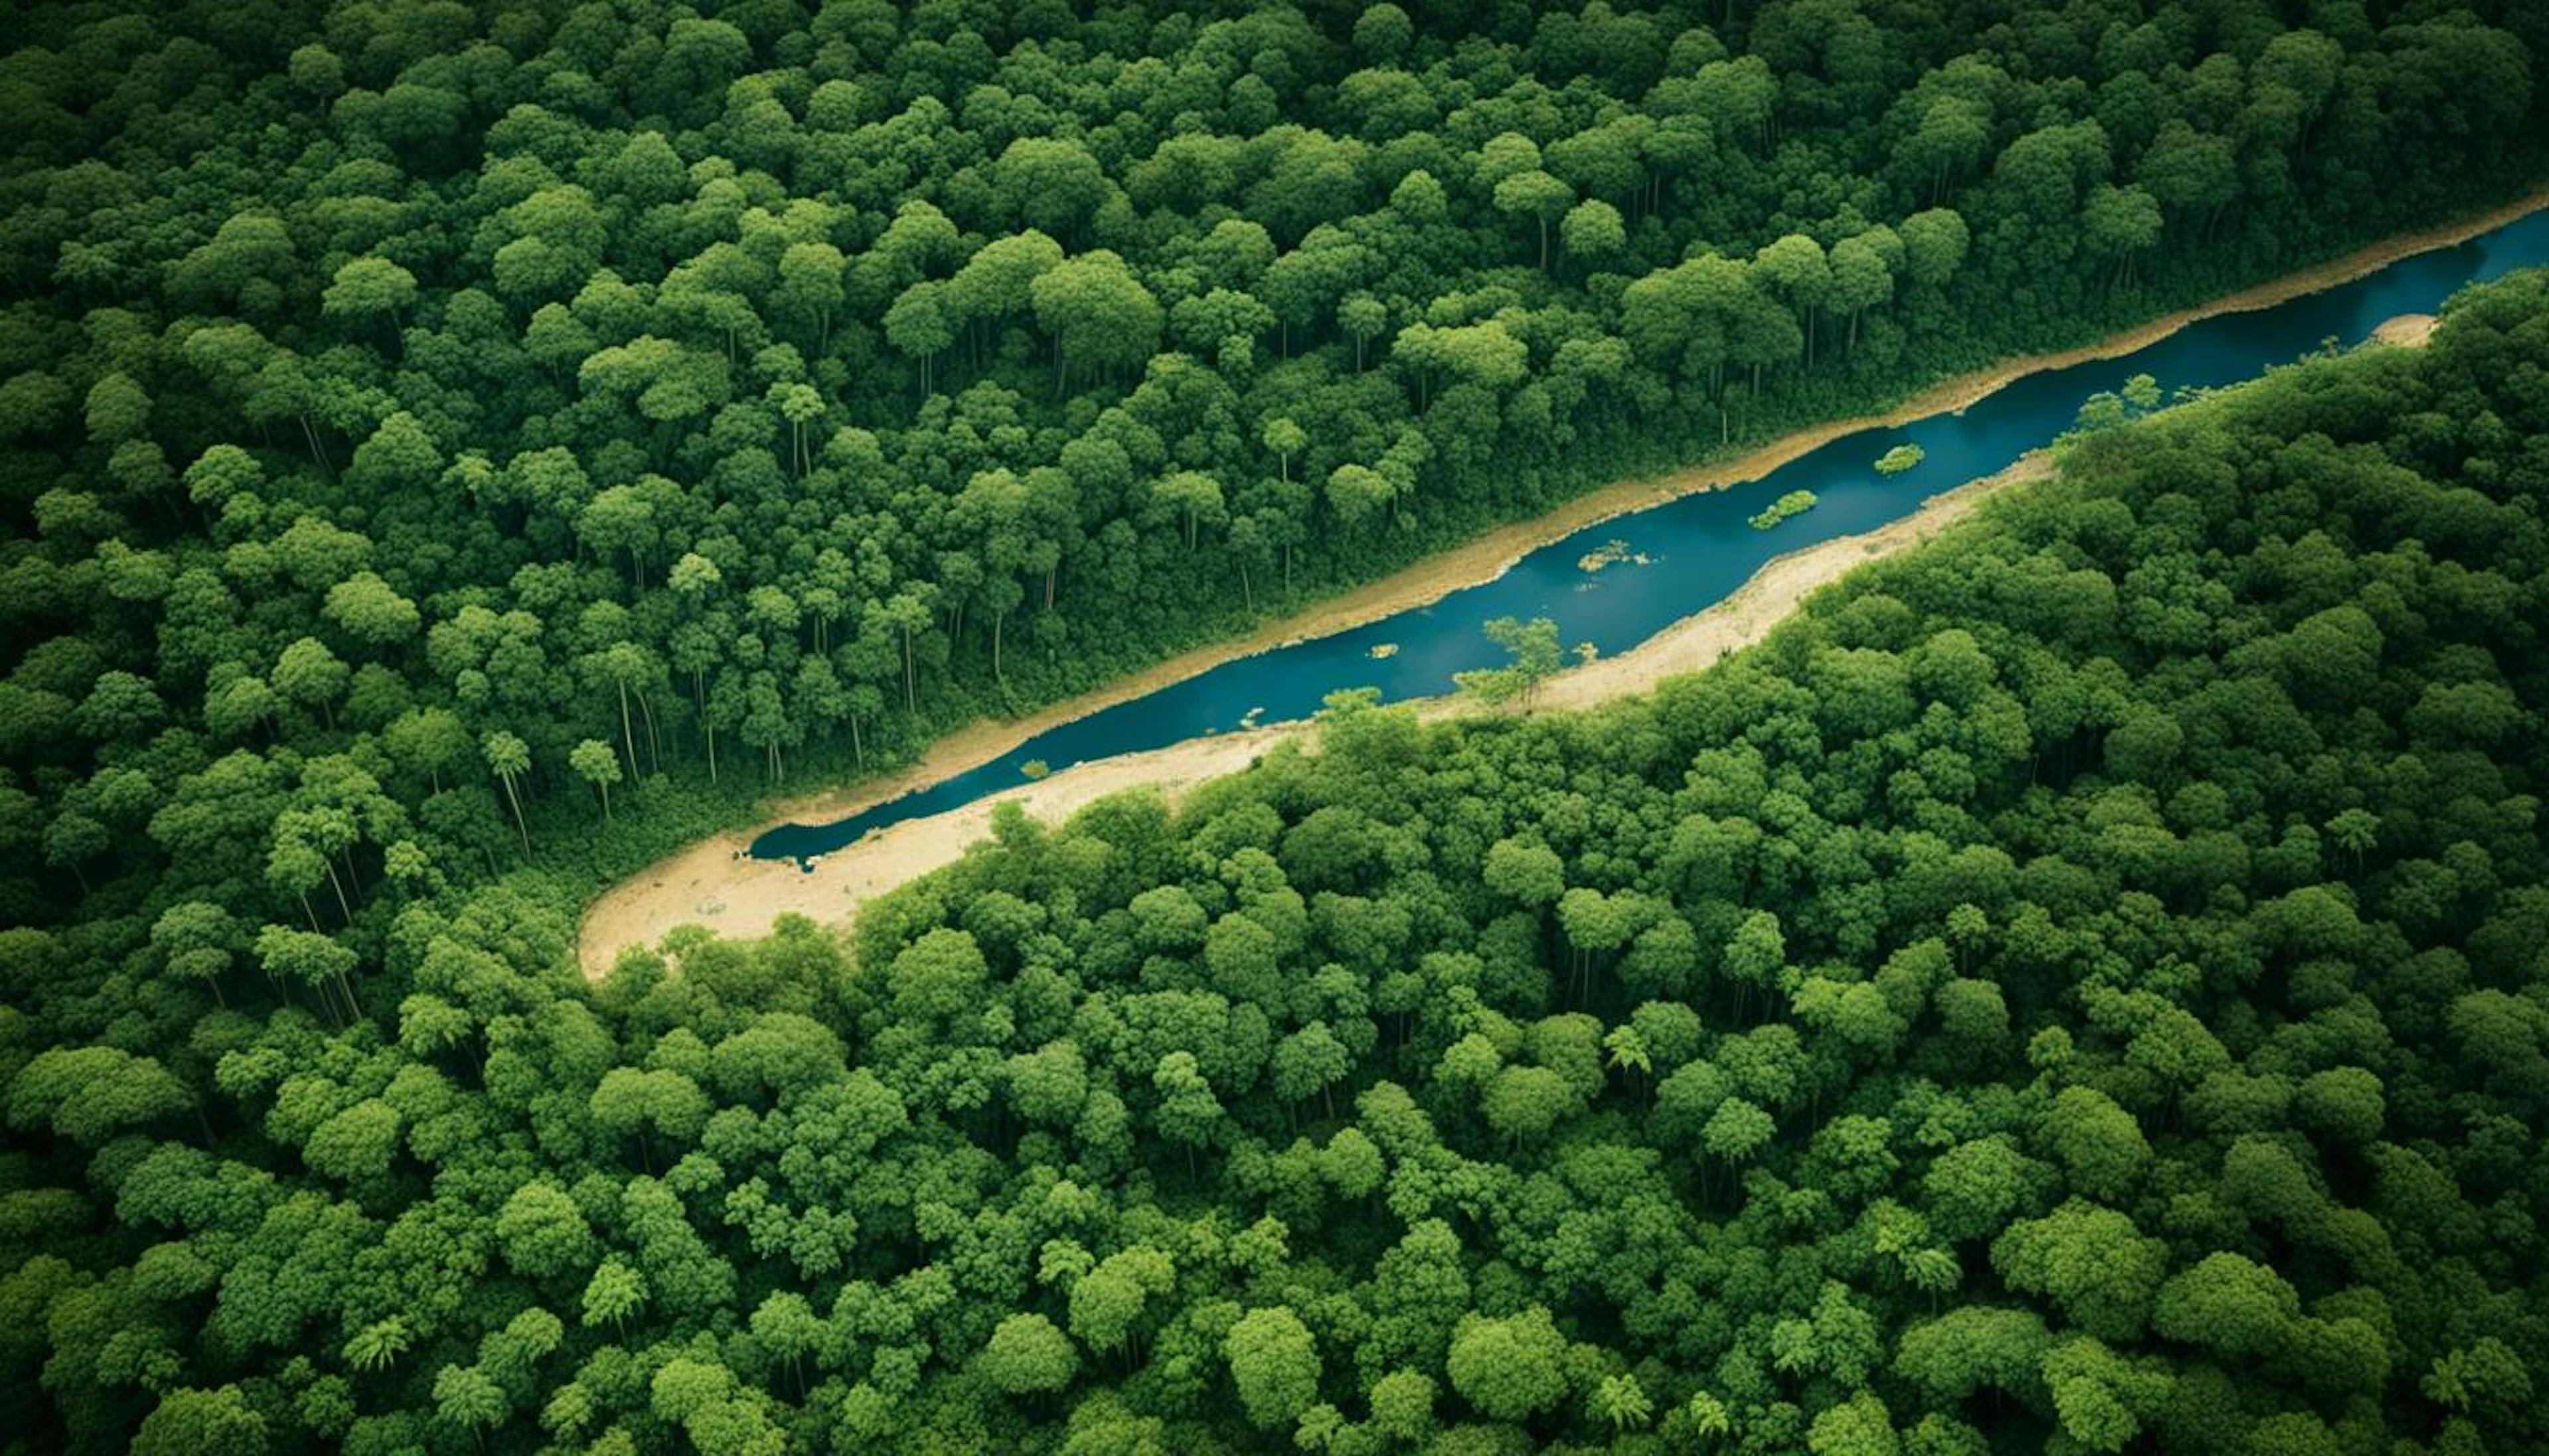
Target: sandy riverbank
(2409, 330)
(708, 884)
(676, 890)
(1773, 592)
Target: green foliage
(624, 395)
(1794, 502)
(1509, 1369)
(1273, 1365)
(2108, 408)
(1028, 1355)
(2007, 1142)
(1534, 650)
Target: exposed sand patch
(708, 885)
(2408, 330)
(749, 895)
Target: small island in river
(1795, 503)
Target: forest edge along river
(1622, 571)
(1615, 568)
(708, 885)
(2028, 400)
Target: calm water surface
(1689, 553)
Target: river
(1617, 583)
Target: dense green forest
(2082, 983)
(783, 386)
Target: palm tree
(2355, 831)
(377, 1345)
(509, 757)
(1624, 1402)
(598, 764)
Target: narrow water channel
(1619, 582)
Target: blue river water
(1698, 549)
